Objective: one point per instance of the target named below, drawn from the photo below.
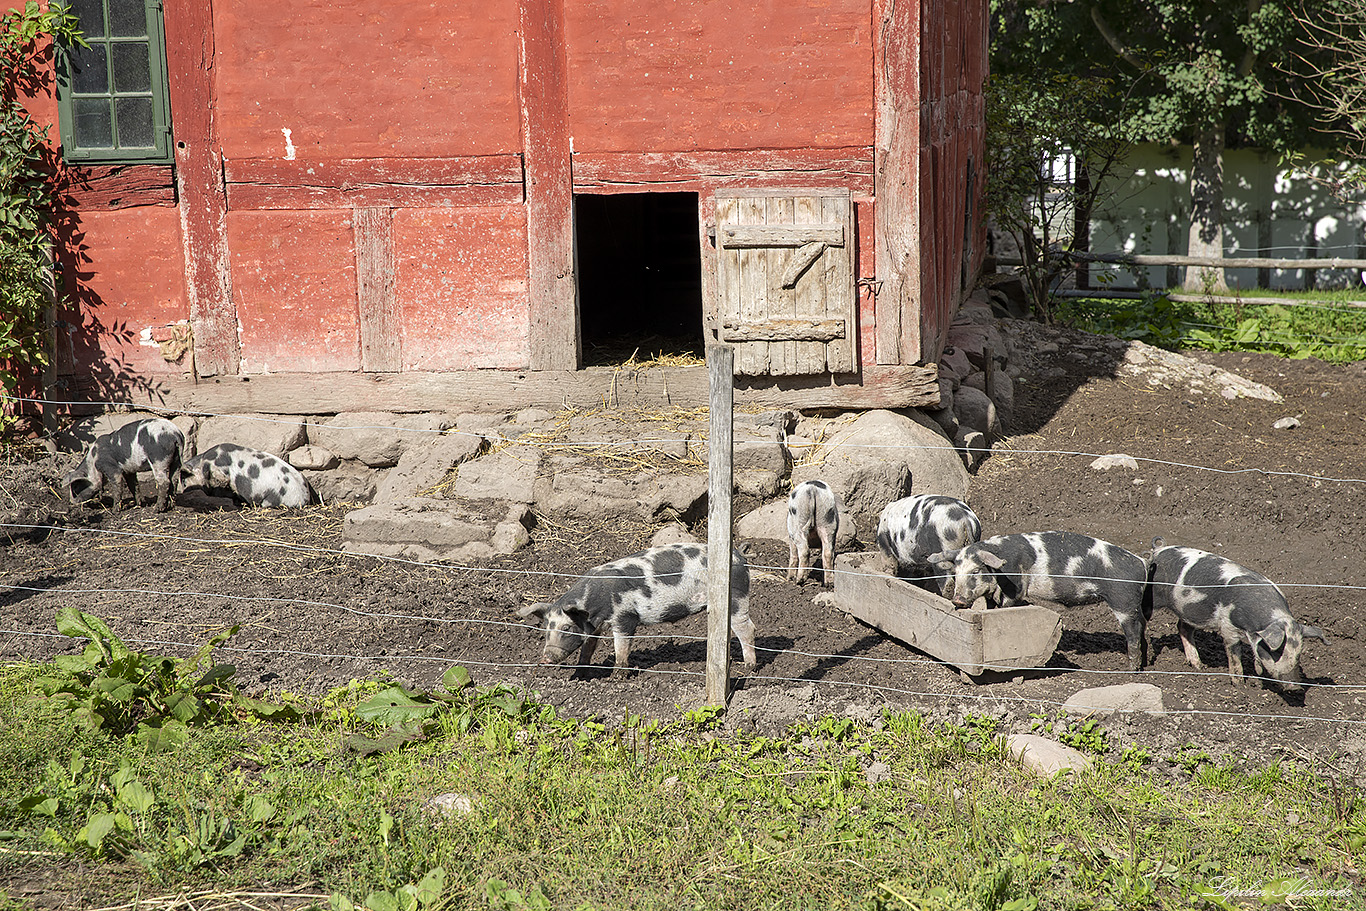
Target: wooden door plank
(752, 359)
(782, 355)
(808, 297)
(839, 287)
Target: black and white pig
(1062, 567)
(813, 520)
(153, 444)
(1207, 591)
(912, 529)
(660, 585)
(254, 477)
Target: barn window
(639, 265)
(111, 95)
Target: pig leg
(828, 555)
(1234, 650)
(163, 482)
(1135, 639)
(797, 558)
(590, 643)
(1188, 644)
(743, 628)
(621, 643)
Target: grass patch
(1320, 325)
(556, 812)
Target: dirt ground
(1213, 474)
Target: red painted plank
(460, 286)
(91, 188)
(546, 148)
(124, 269)
(389, 182)
(357, 79)
(713, 74)
(203, 203)
(294, 277)
(710, 171)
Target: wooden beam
(482, 180)
(785, 330)
(896, 81)
(754, 236)
(90, 187)
(720, 491)
(848, 169)
(544, 89)
(511, 390)
(380, 340)
(203, 199)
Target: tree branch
(1112, 38)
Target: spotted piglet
(1061, 567)
(911, 529)
(813, 520)
(1210, 592)
(153, 444)
(254, 477)
(660, 585)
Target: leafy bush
(1334, 334)
(156, 698)
(25, 194)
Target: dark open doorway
(640, 276)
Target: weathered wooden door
(785, 280)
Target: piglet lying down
(659, 585)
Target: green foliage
(156, 698)
(1336, 334)
(25, 194)
(570, 813)
(409, 716)
(1032, 123)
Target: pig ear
(990, 560)
(534, 610)
(1274, 635)
(944, 559)
(1313, 632)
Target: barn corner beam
(544, 101)
(203, 197)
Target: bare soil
(1213, 474)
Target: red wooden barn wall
(357, 187)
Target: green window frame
(112, 98)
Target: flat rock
(511, 474)
(1045, 757)
(1115, 460)
(425, 464)
(426, 529)
(376, 438)
(273, 433)
(1122, 697)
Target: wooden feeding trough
(974, 641)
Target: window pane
(91, 14)
(89, 70)
(93, 124)
(127, 18)
(131, 70)
(135, 122)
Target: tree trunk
(1207, 208)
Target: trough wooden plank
(974, 641)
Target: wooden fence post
(720, 487)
